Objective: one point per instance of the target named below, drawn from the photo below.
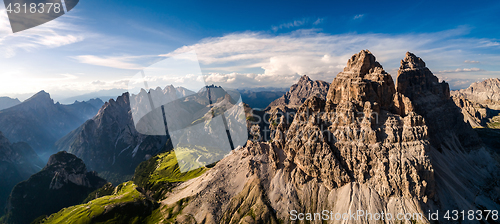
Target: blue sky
(102, 44)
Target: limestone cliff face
(369, 145)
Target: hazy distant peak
(40, 96)
(6, 102)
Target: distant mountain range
(260, 99)
(109, 142)
(104, 95)
(40, 122)
(6, 102)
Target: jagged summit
(363, 79)
(416, 81)
(39, 98)
(41, 94)
(62, 159)
(411, 61)
(7, 102)
(361, 63)
(299, 92)
(304, 79)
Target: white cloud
(471, 62)
(255, 59)
(49, 35)
(298, 23)
(318, 21)
(283, 58)
(359, 16)
(122, 62)
(98, 82)
(462, 70)
(295, 23)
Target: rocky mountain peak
(416, 81)
(120, 103)
(361, 63)
(39, 100)
(300, 91)
(362, 80)
(42, 95)
(64, 159)
(6, 102)
(304, 79)
(430, 99)
(62, 183)
(411, 61)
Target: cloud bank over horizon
(261, 59)
(257, 59)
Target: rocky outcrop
(40, 122)
(481, 92)
(479, 103)
(369, 145)
(63, 182)
(474, 113)
(299, 92)
(284, 108)
(18, 162)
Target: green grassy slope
(133, 201)
(160, 173)
(90, 212)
